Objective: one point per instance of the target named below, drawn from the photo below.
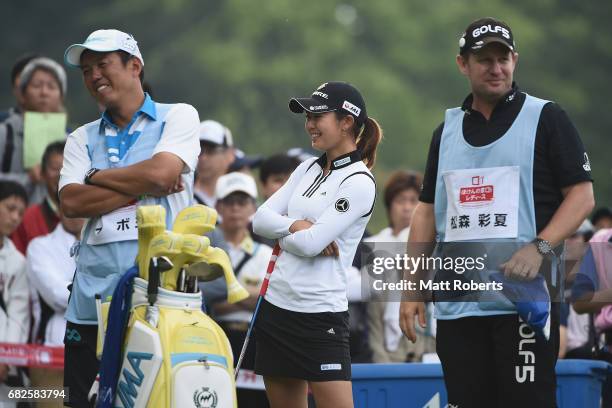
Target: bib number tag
(482, 203)
(116, 226)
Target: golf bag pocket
(203, 381)
(196, 356)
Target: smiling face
(107, 78)
(490, 71)
(326, 131)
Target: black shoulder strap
(2, 304)
(46, 312)
(49, 215)
(7, 158)
(242, 262)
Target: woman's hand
(331, 250)
(300, 225)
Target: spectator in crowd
(216, 156)
(243, 163)
(50, 268)
(236, 203)
(14, 287)
(574, 327)
(524, 159)
(401, 195)
(138, 151)
(15, 77)
(602, 218)
(42, 218)
(275, 171)
(301, 154)
(592, 293)
(42, 85)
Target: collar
(508, 99)
(341, 161)
(147, 108)
(52, 205)
(247, 245)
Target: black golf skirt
(307, 346)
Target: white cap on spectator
(215, 133)
(300, 154)
(234, 182)
(103, 41)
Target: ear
(462, 63)
(136, 66)
(347, 122)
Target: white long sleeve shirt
(15, 292)
(50, 270)
(339, 204)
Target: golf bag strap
(7, 158)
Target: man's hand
(176, 188)
(331, 250)
(4, 370)
(407, 312)
(524, 264)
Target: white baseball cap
(103, 41)
(233, 182)
(215, 133)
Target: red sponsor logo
(478, 194)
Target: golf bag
(172, 354)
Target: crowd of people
(52, 259)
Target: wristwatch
(90, 174)
(543, 246)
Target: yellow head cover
(151, 220)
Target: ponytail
(368, 141)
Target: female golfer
(318, 217)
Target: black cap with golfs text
(485, 31)
(331, 97)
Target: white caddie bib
(119, 225)
(482, 203)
